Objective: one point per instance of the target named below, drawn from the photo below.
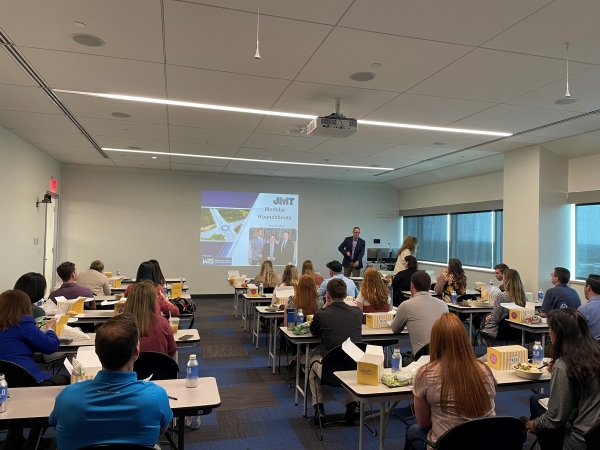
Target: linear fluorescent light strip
(275, 113)
(227, 158)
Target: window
(474, 238)
(587, 240)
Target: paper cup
(174, 322)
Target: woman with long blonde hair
(308, 269)
(155, 330)
(289, 277)
(514, 292)
(305, 298)
(267, 276)
(409, 247)
(374, 295)
(453, 388)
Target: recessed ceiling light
(298, 130)
(362, 76)
(88, 40)
(440, 143)
(121, 115)
(229, 158)
(265, 158)
(376, 65)
(159, 101)
(566, 101)
(281, 143)
(79, 24)
(154, 157)
(134, 148)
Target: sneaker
(351, 411)
(193, 422)
(320, 413)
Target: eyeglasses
(553, 275)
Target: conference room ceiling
(496, 65)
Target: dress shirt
(272, 247)
(591, 311)
(354, 242)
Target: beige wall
(25, 174)
(583, 174)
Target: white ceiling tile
(202, 149)
(142, 157)
(204, 135)
(404, 61)
(196, 167)
(372, 133)
(102, 108)
(411, 152)
(36, 121)
(50, 137)
(220, 88)
(294, 174)
(467, 155)
(307, 10)
(285, 45)
(130, 29)
(66, 150)
(11, 73)
(346, 176)
(275, 155)
(469, 22)
(576, 146)
(128, 129)
(546, 31)
(426, 110)
(583, 86)
(285, 143)
(423, 167)
(328, 158)
(306, 169)
(281, 125)
(98, 73)
(143, 165)
(247, 165)
(216, 120)
(125, 143)
(494, 76)
(350, 147)
(259, 172)
(66, 159)
(21, 98)
(514, 119)
(199, 161)
(394, 163)
(583, 125)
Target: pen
(172, 398)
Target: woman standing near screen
(409, 247)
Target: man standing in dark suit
(270, 251)
(286, 249)
(353, 249)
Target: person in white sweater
(409, 247)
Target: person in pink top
(155, 330)
(163, 305)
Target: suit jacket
(256, 247)
(359, 251)
(266, 251)
(336, 323)
(287, 254)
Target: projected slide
(243, 228)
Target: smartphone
(185, 337)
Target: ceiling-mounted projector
(335, 125)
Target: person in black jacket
(401, 280)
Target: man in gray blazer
(256, 247)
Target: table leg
(306, 366)
(382, 425)
(297, 374)
(361, 422)
(244, 314)
(522, 338)
(235, 301)
(180, 434)
(257, 329)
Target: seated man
(334, 323)
(591, 310)
(499, 273)
(114, 407)
(335, 272)
(70, 289)
(561, 295)
(95, 279)
(420, 312)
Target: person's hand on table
(530, 427)
(50, 324)
(488, 318)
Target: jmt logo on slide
(284, 201)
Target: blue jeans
(416, 431)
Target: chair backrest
(422, 352)
(17, 376)
(337, 360)
(159, 365)
(592, 437)
(508, 333)
(464, 297)
(268, 290)
(491, 433)
(117, 447)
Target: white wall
(25, 174)
(126, 216)
(583, 174)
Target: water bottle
(261, 290)
(540, 296)
(3, 393)
(299, 317)
(538, 354)
(291, 318)
(167, 288)
(396, 360)
(563, 305)
(454, 297)
(191, 377)
(118, 273)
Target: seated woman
(308, 269)
(146, 273)
(155, 330)
(160, 278)
(514, 292)
(374, 295)
(401, 281)
(267, 276)
(573, 406)
(409, 247)
(453, 388)
(34, 285)
(289, 277)
(305, 298)
(20, 338)
(452, 280)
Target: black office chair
(336, 360)
(117, 447)
(506, 333)
(490, 433)
(17, 376)
(268, 290)
(159, 365)
(592, 437)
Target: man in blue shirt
(591, 310)
(114, 407)
(335, 271)
(561, 295)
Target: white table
(112, 298)
(122, 288)
(507, 380)
(263, 311)
(167, 280)
(470, 310)
(368, 334)
(249, 303)
(29, 407)
(536, 328)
